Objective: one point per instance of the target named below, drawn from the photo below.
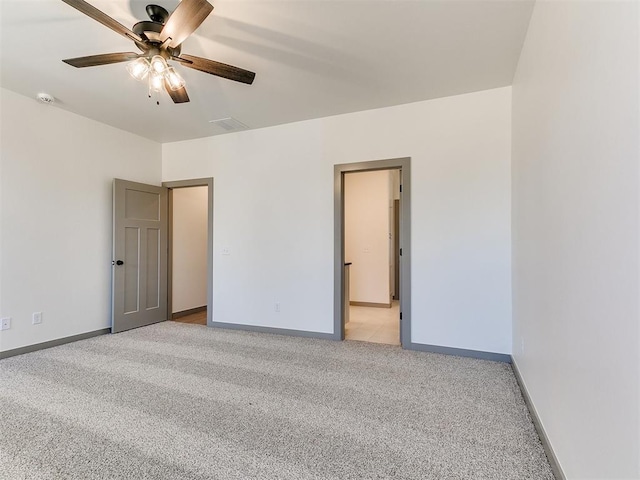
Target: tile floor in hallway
(373, 324)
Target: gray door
(139, 255)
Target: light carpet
(177, 401)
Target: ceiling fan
(160, 40)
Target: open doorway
(369, 249)
(190, 251)
(372, 267)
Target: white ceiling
(312, 58)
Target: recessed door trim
(404, 165)
(197, 182)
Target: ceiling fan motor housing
(150, 32)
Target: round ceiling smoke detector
(45, 98)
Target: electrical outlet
(5, 323)
(277, 306)
(226, 251)
(36, 318)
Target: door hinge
(400, 252)
(400, 315)
(400, 188)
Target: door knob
(119, 262)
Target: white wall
(55, 223)
(575, 232)
(366, 232)
(189, 271)
(273, 210)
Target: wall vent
(228, 124)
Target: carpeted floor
(176, 401)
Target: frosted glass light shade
(139, 68)
(175, 81)
(156, 81)
(158, 64)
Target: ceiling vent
(229, 124)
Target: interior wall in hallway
(367, 226)
(189, 248)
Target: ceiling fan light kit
(160, 40)
(158, 72)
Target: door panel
(153, 268)
(141, 205)
(131, 277)
(140, 216)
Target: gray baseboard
(53, 343)
(551, 456)
(273, 330)
(190, 311)
(460, 352)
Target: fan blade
(178, 96)
(105, 59)
(187, 16)
(103, 18)
(216, 68)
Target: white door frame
(196, 182)
(404, 165)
